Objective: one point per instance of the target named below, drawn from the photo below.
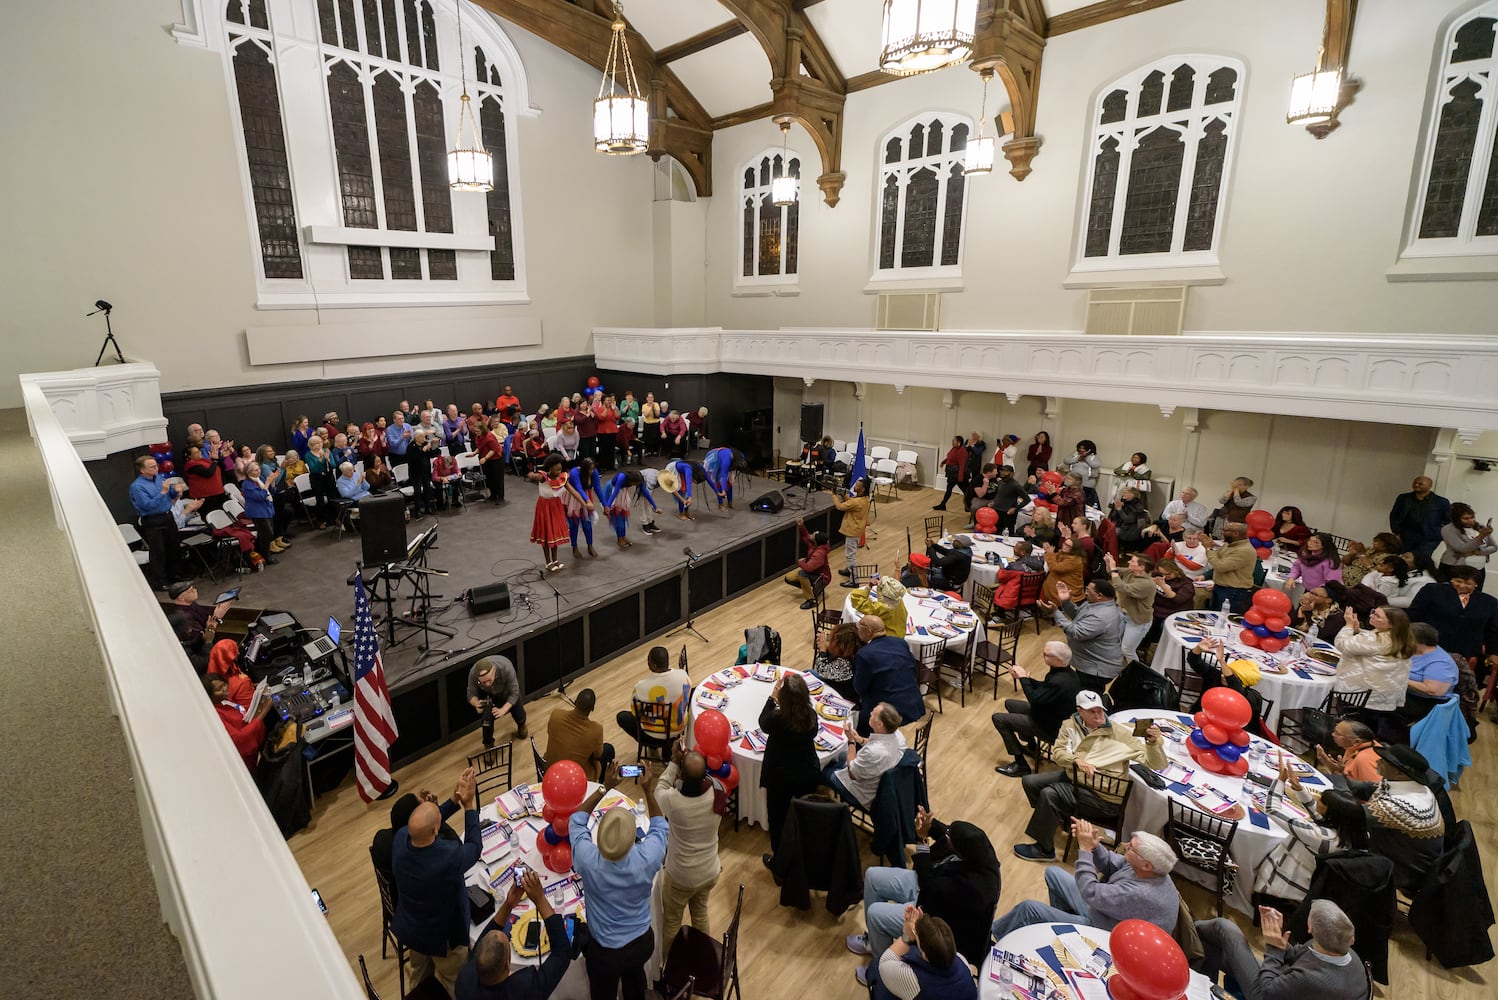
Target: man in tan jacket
(1092, 743)
(1233, 561)
(855, 508)
(572, 735)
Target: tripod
(104, 307)
(688, 626)
(555, 626)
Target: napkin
(1301, 673)
(1258, 819)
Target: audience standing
(685, 796)
(431, 918)
(790, 765)
(1095, 632)
(1417, 516)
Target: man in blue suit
(884, 669)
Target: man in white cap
(1091, 743)
(617, 875)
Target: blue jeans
(1066, 905)
(830, 776)
(1133, 635)
(885, 893)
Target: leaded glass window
(1456, 209)
(922, 195)
(767, 238)
(1161, 149)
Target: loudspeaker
(811, 422)
(382, 529)
(488, 598)
(768, 503)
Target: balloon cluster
(564, 788)
(987, 519)
(594, 387)
(1260, 525)
(1050, 485)
(163, 455)
(1147, 963)
(1218, 740)
(712, 732)
(1268, 621)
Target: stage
(600, 606)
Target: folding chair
(1202, 840)
(234, 509)
(232, 489)
(928, 669)
(303, 484)
(132, 538)
(878, 453)
(1111, 789)
(884, 476)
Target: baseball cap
(176, 590)
(1089, 699)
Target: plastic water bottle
(1222, 623)
(307, 674)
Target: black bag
(1316, 726)
(1140, 687)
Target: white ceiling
(666, 22)
(728, 77)
(851, 31)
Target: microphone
(690, 554)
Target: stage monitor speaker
(382, 529)
(489, 598)
(811, 422)
(768, 503)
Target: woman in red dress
(549, 528)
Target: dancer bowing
(584, 492)
(618, 496)
(549, 528)
(677, 479)
(721, 464)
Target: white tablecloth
(983, 571)
(1029, 940)
(574, 985)
(1252, 843)
(923, 609)
(743, 703)
(1185, 629)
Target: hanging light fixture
(925, 35)
(979, 156)
(469, 168)
(1314, 96)
(783, 187)
(621, 122)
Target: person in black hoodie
(956, 878)
(1048, 704)
(790, 766)
(950, 567)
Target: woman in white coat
(1397, 581)
(1376, 658)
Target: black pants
(325, 488)
(611, 968)
(494, 476)
(1238, 598)
(587, 447)
(1092, 682)
(653, 438)
(1055, 798)
(631, 727)
(159, 532)
(778, 802)
(486, 724)
(1007, 525)
(287, 501)
(952, 484)
(606, 445)
(264, 532)
(1017, 727)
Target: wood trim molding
(1099, 13)
(1008, 44)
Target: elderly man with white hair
(1106, 889)
(1195, 514)
(1047, 705)
(884, 670)
(1325, 969)
(351, 484)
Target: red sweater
(815, 563)
(247, 736)
(204, 479)
(958, 457)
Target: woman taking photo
(1467, 542)
(955, 467)
(1376, 658)
(1290, 528)
(1317, 563)
(790, 766)
(1038, 455)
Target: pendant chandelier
(621, 121)
(469, 168)
(783, 187)
(925, 35)
(979, 155)
(1314, 96)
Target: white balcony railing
(223, 871)
(1426, 381)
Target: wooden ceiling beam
(1099, 13)
(585, 34)
(702, 40)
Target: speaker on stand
(811, 422)
(382, 529)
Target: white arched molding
(1452, 227)
(1160, 149)
(302, 61)
(766, 237)
(920, 203)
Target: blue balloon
(1201, 741)
(1258, 543)
(1283, 633)
(1229, 753)
(1262, 631)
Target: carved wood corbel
(1007, 43)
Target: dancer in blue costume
(581, 502)
(618, 496)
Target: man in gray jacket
(494, 692)
(1325, 969)
(1094, 631)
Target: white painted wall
(121, 182)
(1311, 226)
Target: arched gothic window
(1456, 201)
(386, 74)
(922, 196)
(1161, 152)
(767, 245)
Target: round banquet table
(1257, 834)
(574, 984)
(743, 699)
(1299, 686)
(1028, 941)
(925, 608)
(983, 571)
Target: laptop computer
(324, 644)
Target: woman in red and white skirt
(549, 528)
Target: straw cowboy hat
(668, 480)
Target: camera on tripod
(486, 726)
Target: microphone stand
(108, 338)
(689, 626)
(555, 626)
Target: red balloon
(1276, 623)
(1238, 737)
(714, 762)
(561, 857)
(593, 382)
(565, 785)
(548, 812)
(1200, 718)
(1119, 989)
(1264, 536)
(1226, 707)
(732, 781)
(1270, 644)
(1247, 638)
(1259, 520)
(1272, 602)
(543, 848)
(1149, 960)
(559, 825)
(1265, 553)
(987, 519)
(1254, 616)
(711, 729)
(1214, 733)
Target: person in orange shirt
(506, 400)
(1359, 760)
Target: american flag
(374, 722)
